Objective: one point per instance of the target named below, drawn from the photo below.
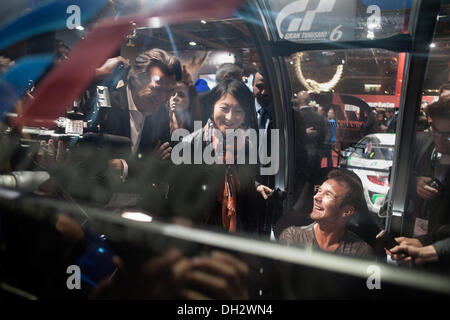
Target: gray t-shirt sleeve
(294, 235)
(442, 248)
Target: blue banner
(20, 77)
(48, 17)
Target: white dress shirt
(137, 120)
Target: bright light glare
(136, 216)
(193, 43)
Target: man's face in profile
(260, 90)
(153, 89)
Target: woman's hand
(265, 191)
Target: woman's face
(227, 113)
(179, 99)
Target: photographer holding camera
(428, 212)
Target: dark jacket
(116, 121)
(146, 172)
(195, 188)
(309, 149)
(436, 211)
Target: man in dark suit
(311, 131)
(138, 110)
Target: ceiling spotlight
(193, 43)
(203, 21)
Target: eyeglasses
(443, 134)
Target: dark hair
(260, 71)
(228, 71)
(194, 102)
(440, 108)
(241, 93)
(168, 63)
(355, 194)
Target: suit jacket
(145, 172)
(309, 149)
(116, 121)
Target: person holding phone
(438, 252)
(427, 215)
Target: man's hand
(48, 156)
(424, 190)
(409, 242)
(311, 131)
(108, 67)
(116, 165)
(264, 191)
(404, 254)
(159, 278)
(163, 150)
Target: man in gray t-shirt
(337, 200)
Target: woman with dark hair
(222, 192)
(184, 107)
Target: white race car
(371, 159)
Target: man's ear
(347, 210)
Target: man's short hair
(168, 63)
(439, 109)
(355, 193)
(229, 70)
(260, 71)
